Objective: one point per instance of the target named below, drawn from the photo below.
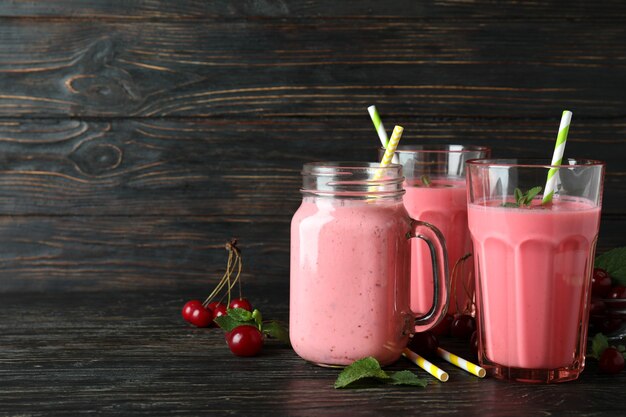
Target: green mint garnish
(598, 344)
(361, 369)
(425, 180)
(241, 317)
(406, 378)
(235, 317)
(614, 262)
(368, 370)
(277, 331)
(240, 314)
(521, 199)
(257, 317)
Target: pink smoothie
(443, 204)
(534, 269)
(347, 259)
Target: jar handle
(441, 278)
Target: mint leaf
(531, 194)
(425, 180)
(277, 331)
(239, 314)
(614, 262)
(598, 344)
(359, 370)
(227, 323)
(522, 199)
(258, 318)
(407, 378)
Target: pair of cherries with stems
(242, 340)
(244, 326)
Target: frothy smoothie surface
(533, 267)
(347, 259)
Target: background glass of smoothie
(436, 193)
(533, 266)
(350, 265)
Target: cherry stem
(239, 267)
(234, 257)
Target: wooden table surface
(137, 136)
(130, 353)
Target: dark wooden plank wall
(137, 136)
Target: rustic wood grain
(42, 253)
(127, 353)
(333, 67)
(198, 9)
(231, 167)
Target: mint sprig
(236, 317)
(614, 262)
(426, 182)
(367, 371)
(523, 199)
(598, 344)
(276, 330)
(406, 378)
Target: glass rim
(534, 163)
(328, 166)
(441, 148)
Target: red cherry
(463, 326)
(611, 361)
(201, 317)
(424, 343)
(600, 282)
(597, 308)
(241, 303)
(443, 328)
(195, 313)
(213, 304)
(245, 340)
(219, 310)
(617, 292)
(189, 307)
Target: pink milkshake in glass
(436, 193)
(350, 266)
(533, 266)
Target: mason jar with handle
(350, 281)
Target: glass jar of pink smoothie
(350, 279)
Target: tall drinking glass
(533, 265)
(436, 194)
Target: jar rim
(323, 167)
(352, 179)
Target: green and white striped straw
(557, 157)
(378, 124)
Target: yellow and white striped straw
(378, 125)
(461, 363)
(390, 150)
(557, 157)
(438, 373)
